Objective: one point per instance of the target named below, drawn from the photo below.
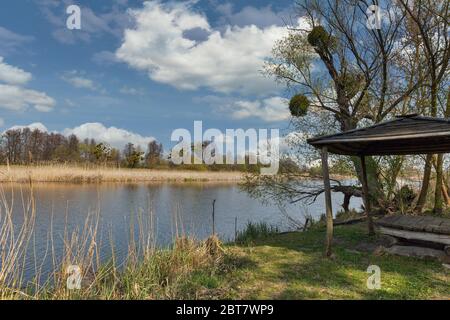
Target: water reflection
(165, 209)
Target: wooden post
(365, 186)
(329, 208)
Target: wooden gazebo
(410, 134)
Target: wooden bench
(422, 229)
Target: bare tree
(429, 24)
(358, 80)
(154, 153)
(339, 69)
(12, 145)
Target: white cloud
(105, 58)
(70, 103)
(228, 61)
(36, 125)
(131, 91)
(270, 110)
(115, 137)
(99, 101)
(11, 42)
(79, 81)
(93, 25)
(14, 97)
(12, 75)
(261, 17)
(18, 98)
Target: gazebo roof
(411, 134)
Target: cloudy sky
(140, 69)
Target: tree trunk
(445, 192)
(346, 204)
(366, 196)
(438, 190)
(376, 198)
(329, 209)
(438, 203)
(425, 184)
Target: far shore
(78, 174)
(86, 174)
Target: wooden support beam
(365, 186)
(328, 205)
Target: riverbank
(74, 174)
(291, 266)
(80, 174)
(282, 266)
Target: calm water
(63, 208)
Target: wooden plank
(417, 223)
(390, 220)
(412, 235)
(445, 225)
(329, 208)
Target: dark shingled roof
(410, 134)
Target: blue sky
(145, 67)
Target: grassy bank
(75, 174)
(291, 266)
(282, 266)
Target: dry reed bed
(73, 174)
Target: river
(161, 210)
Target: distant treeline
(34, 147)
(26, 146)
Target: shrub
(404, 198)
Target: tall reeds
(89, 174)
(14, 241)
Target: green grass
(270, 266)
(254, 231)
(291, 266)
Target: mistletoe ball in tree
(299, 105)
